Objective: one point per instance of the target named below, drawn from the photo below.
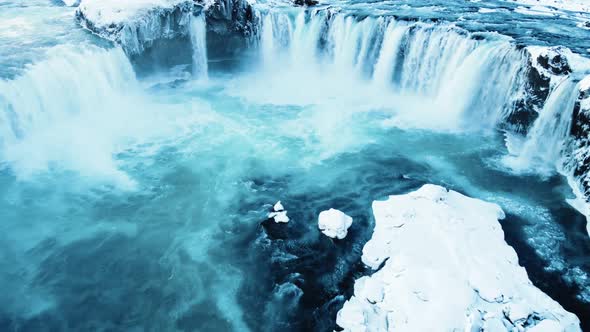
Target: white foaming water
(542, 149)
(431, 76)
(198, 35)
(75, 111)
(387, 60)
(53, 111)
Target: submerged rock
(334, 223)
(444, 266)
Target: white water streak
(198, 36)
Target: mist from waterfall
(445, 76)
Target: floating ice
(279, 214)
(334, 223)
(278, 207)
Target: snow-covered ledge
(136, 24)
(446, 267)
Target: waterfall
(267, 40)
(388, 55)
(69, 83)
(543, 146)
(198, 36)
(305, 39)
(459, 78)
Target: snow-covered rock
(136, 24)
(545, 67)
(444, 266)
(578, 163)
(279, 214)
(334, 223)
(571, 5)
(111, 13)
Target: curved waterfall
(472, 80)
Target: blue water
(141, 204)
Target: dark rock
(579, 160)
(554, 62)
(540, 70)
(230, 26)
(305, 2)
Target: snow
(585, 83)
(279, 214)
(334, 223)
(136, 24)
(446, 267)
(546, 326)
(104, 13)
(70, 3)
(487, 10)
(571, 5)
(536, 10)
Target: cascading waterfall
(460, 80)
(544, 144)
(388, 55)
(72, 110)
(463, 77)
(70, 83)
(198, 36)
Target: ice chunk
(334, 223)
(279, 214)
(278, 206)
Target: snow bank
(445, 267)
(136, 24)
(571, 5)
(104, 13)
(334, 223)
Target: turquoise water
(141, 204)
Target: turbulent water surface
(138, 200)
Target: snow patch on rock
(104, 13)
(334, 223)
(136, 24)
(279, 214)
(570, 5)
(445, 266)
